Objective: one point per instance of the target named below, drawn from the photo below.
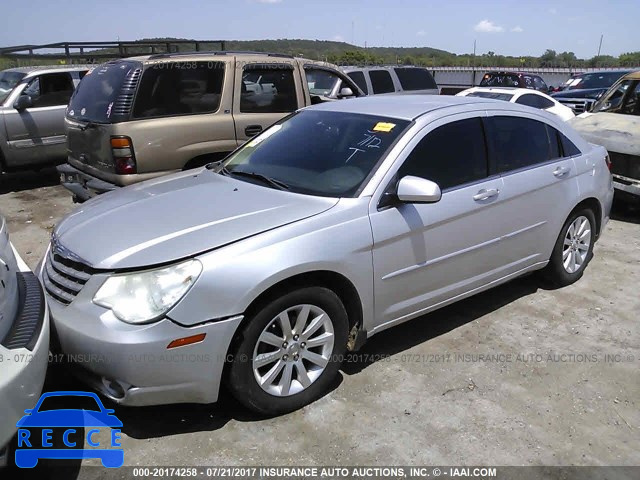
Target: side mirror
(418, 190)
(345, 92)
(23, 102)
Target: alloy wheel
(576, 244)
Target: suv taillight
(608, 162)
(123, 157)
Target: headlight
(145, 296)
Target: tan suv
(138, 118)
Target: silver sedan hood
(175, 217)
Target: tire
(573, 249)
(273, 378)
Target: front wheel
(289, 351)
(573, 249)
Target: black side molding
(27, 325)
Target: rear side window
(415, 79)
(94, 98)
(358, 78)
(568, 147)
(53, 89)
(518, 142)
(450, 155)
(169, 89)
(268, 90)
(381, 81)
(539, 84)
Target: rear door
(539, 183)
(263, 94)
(36, 134)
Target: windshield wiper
(258, 176)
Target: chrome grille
(578, 105)
(64, 278)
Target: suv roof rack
(218, 52)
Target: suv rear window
(179, 89)
(415, 79)
(94, 98)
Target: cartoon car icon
(36, 430)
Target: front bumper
(82, 185)
(131, 364)
(24, 356)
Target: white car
(523, 96)
(24, 340)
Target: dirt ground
(518, 375)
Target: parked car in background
(399, 80)
(583, 91)
(523, 96)
(269, 260)
(139, 118)
(32, 105)
(24, 340)
(615, 124)
(514, 79)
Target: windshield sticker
(383, 127)
(109, 110)
(71, 113)
(83, 111)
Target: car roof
(510, 90)
(37, 69)
(510, 72)
(632, 76)
(407, 107)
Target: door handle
(560, 171)
(485, 194)
(252, 130)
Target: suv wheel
(289, 351)
(573, 249)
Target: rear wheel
(290, 351)
(573, 249)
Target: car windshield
(500, 80)
(495, 95)
(317, 152)
(8, 81)
(596, 80)
(94, 98)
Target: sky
(515, 27)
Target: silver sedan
(333, 225)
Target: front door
(36, 134)
(426, 254)
(264, 93)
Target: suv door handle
(560, 171)
(252, 130)
(485, 194)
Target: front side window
(268, 90)
(53, 89)
(450, 155)
(631, 104)
(358, 78)
(321, 82)
(8, 81)
(415, 78)
(539, 84)
(518, 142)
(179, 89)
(317, 152)
(381, 81)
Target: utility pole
(600, 46)
(474, 53)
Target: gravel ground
(518, 375)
